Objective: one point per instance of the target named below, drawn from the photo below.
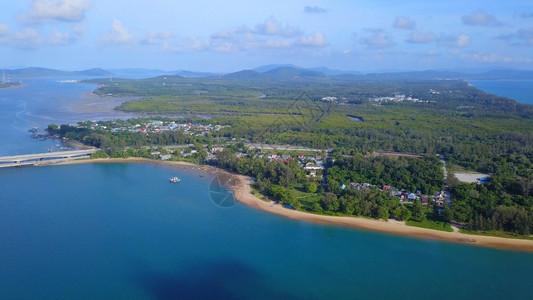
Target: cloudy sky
(230, 35)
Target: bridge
(44, 158)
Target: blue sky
(232, 35)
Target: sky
(232, 35)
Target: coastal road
(282, 147)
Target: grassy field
(501, 234)
(436, 225)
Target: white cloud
(117, 36)
(226, 47)
(480, 18)
(461, 40)
(156, 38)
(273, 27)
(278, 44)
(187, 45)
(316, 40)
(314, 10)
(404, 23)
(195, 44)
(228, 33)
(28, 38)
(42, 11)
(4, 30)
(378, 39)
(522, 37)
(270, 34)
(59, 38)
(421, 38)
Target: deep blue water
(519, 90)
(122, 231)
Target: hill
(44, 72)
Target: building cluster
(158, 126)
(313, 165)
(329, 99)
(403, 196)
(396, 98)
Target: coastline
(242, 193)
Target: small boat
(175, 179)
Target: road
(282, 147)
(447, 195)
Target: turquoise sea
(122, 231)
(519, 90)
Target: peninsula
(292, 131)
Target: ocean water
(519, 90)
(122, 231)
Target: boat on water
(175, 179)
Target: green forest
(450, 120)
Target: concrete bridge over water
(44, 158)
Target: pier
(40, 159)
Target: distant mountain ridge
(324, 70)
(44, 72)
(280, 72)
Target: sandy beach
(242, 192)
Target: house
(411, 197)
(217, 149)
(312, 166)
(313, 169)
(273, 157)
(165, 157)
